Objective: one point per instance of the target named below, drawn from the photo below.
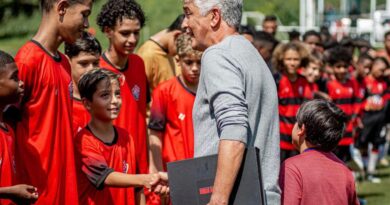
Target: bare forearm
(155, 149)
(117, 179)
(230, 156)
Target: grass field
(376, 194)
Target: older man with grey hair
(236, 103)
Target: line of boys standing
(305, 70)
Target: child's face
(74, 20)
(340, 71)
(11, 88)
(314, 43)
(364, 67)
(312, 72)
(378, 69)
(106, 101)
(83, 63)
(291, 61)
(190, 68)
(124, 36)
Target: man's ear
(215, 17)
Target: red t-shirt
(132, 116)
(96, 160)
(315, 177)
(7, 160)
(45, 152)
(80, 115)
(291, 96)
(346, 96)
(171, 113)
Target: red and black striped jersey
(346, 97)
(375, 96)
(291, 95)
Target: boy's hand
(161, 186)
(23, 194)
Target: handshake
(158, 183)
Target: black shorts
(373, 124)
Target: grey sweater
(237, 100)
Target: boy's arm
(157, 124)
(155, 151)
(19, 192)
(118, 179)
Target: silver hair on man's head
(231, 10)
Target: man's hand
(160, 186)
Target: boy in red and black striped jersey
(121, 22)
(344, 92)
(105, 154)
(83, 56)
(11, 91)
(374, 114)
(293, 90)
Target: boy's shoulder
(314, 157)
(85, 136)
(28, 53)
(167, 85)
(32, 53)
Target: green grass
(376, 194)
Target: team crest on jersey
(350, 90)
(181, 116)
(136, 91)
(125, 167)
(338, 91)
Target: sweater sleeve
(226, 93)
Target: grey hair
(231, 10)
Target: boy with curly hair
(121, 21)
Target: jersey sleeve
(94, 165)
(158, 110)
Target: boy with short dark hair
(121, 21)
(11, 91)
(343, 91)
(316, 175)
(45, 154)
(83, 56)
(105, 153)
